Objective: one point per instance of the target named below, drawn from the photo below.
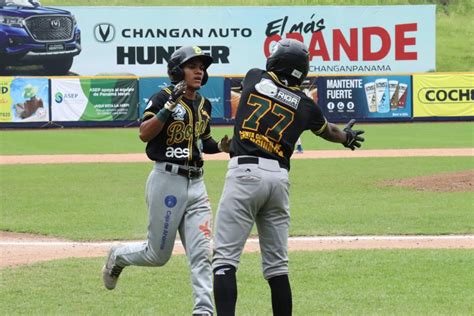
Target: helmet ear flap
(205, 77)
(176, 74)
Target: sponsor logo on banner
(364, 96)
(437, 95)
(374, 39)
(443, 95)
(59, 97)
(132, 55)
(104, 32)
(397, 42)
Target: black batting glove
(178, 91)
(353, 139)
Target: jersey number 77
(264, 108)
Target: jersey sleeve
(251, 76)
(318, 122)
(208, 143)
(207, 110)
(156, 103)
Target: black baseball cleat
(111, 271)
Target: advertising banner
(24, 100)
(341, 39)
(94, 99)
(438, 95)
(365, 97)
(213, 90)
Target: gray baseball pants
(254, 193)
(176, 203)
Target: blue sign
(365, 97)
(213, 91)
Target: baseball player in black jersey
(272, 114)
(176, 126)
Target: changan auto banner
(357, 39)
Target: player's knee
(158, 258)
(160, 261)
(270, 272)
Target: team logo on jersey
(179, 113)
(268, 88)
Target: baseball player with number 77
(272, 114)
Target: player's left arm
(209, 145)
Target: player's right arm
(331, 132)
(151, 124)
(347, 137)
(159, 109)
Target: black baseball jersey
(186, 133)
(271, 116)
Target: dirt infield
(311, 154)
(20, 249)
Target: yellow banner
(5, 99)
(443, 95)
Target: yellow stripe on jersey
(167, 90)
(191, 122)
(275, 77)
(201, 103)
(147, 115)
(201, 113)
(322, 129)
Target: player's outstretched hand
(224, 144)
(353, 136)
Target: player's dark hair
(181, 57)
(289, 58)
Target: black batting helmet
(290, 58)
(183, 55)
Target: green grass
(345, 197)
(125, 140)
(454, 23)
(328, 197)
(365, 282)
